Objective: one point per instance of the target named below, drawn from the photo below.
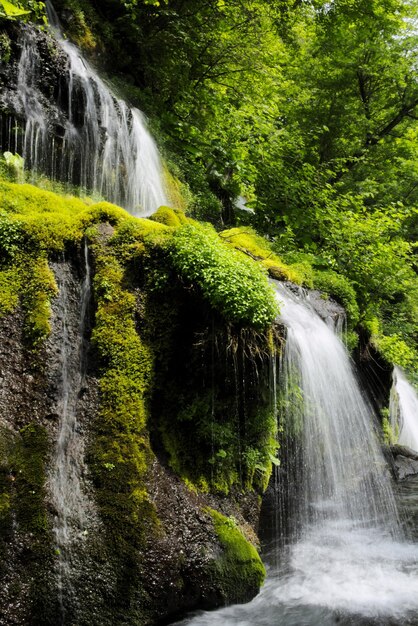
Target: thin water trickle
(102, 144)
(344, 558)
(69, 499)
(403, 411)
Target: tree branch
(406, 111)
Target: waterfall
(69, 499)
(343, 472)
(345, 558)
(403, 409)
(94, 139)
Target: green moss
(5, 48)
(179, 194)
(120, 454)
(104, 212)
(23, 460)
(389, 436)
(134, 236)
(28, 462)
(10, 286)
(82, 24)
(46, 219)
(35, 223)
(40, 287)
(239, 570)
(29, 282)
(170, 217)
(10, 235)
(233, 284)
(247, 241)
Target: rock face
(19, 89)
(63, 559)
(405, 462)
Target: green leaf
(274, 460)
(11, 11)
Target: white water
(105, 145)
(404, 411)
(346, 559)
(343, 475)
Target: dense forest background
(295, 118)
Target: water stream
(403, 410)
(71, 504)
(344, 558)
(90, 138)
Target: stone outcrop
(405, 461)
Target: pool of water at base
(338, 574)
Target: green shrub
(233, 284)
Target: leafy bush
(234, 285)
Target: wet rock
(405, 461)
(404, 451)
(326, 308)
(172, 571)
(405, 467)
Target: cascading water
(71, 504)
(403, 410)
(345, 558)
(343, 472)
(99, 143)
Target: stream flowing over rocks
(338, 551)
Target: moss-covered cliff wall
(175, 428)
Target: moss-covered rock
(120, 454)
(169, 217)
(212, 415)
(339, 288)
(258, 248)
(239, 567)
